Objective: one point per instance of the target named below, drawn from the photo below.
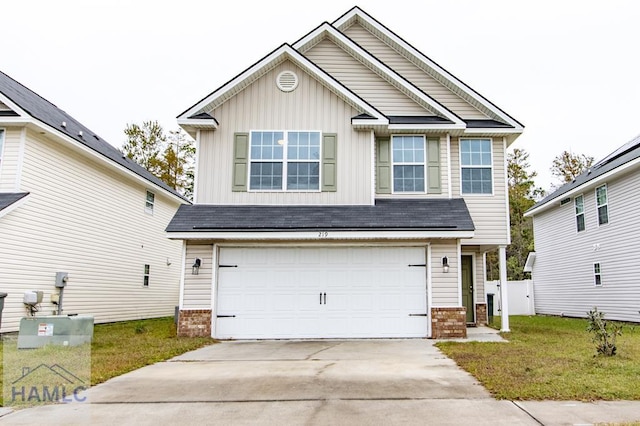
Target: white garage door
(286, 292)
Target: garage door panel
(286, 292)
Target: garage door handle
(325, 298)
(417, 315)
(225, 316)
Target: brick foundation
(194, 323)
(448, 323)
(481, 314)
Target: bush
(604, 333)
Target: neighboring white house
(70, 202)
(587, 241)
(347, 186)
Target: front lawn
(552, 358)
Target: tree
(522, 196)
(170, 158)
(567, 166)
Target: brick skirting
(448, 323)
(481, 314)
(194, 323)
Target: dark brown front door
(467, 287)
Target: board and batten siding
(563, 273)
(489, 212)
(197, 288)
(444, 286)
(89, 221)
(362, 80)
(411, 72)
(262, 106)
(10, 159)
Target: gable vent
(287, 81)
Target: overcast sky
(568, 70)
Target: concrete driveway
(291, 382)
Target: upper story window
(602, 203)
(408, 163)
(579, 203)
(1, 144)
(476, 166)
(284, 161)
(149, 203)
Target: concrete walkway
(310, 382)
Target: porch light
(195, 268)
(445, 264)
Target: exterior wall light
(195, 268)
(445, 264)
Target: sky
(567, 69)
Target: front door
(467, 287)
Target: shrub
(604, 333)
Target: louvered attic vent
(287, 81)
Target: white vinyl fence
(520, 294)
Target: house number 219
(323, 234)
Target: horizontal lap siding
(411, 72)
(563, 270)
(362, 80)
(262, 106)
(9, 159)
(83, 219)
(197, 288)
(444, 286)
(489, 212)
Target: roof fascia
(313, 235)
(103, 159)
(358, 13)
(11, 207)
(583, 187)
(400, 81)
(301, 61)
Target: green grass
(552, 358)
(118, 348)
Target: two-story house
(587, 252)
(347, 186)
(71, 203)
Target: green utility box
(36, 332)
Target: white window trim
(597, 274)
(285, 162)
(595, 191)
(3, 138)
(146, 275)
(584, 214)
(424, 164)
(493, 180)
(147, 209)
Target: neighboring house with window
(346, 186)
(70, 202)
(586, 241)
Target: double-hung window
(602, 203)
(597, 274)
(408, 163)
(579, 203)
(476, 162)
(284, 161)
(149, 202)
(1, 144)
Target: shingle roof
(387, 214)
(624, 154)
(47, 113)
(8, 198)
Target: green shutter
(433, 166)
(240, 153)
(383, 166)
(329, 156)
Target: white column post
(503, 289)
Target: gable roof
(260, 68)
(628, 155)
(29, 105)
(385, 215)
(431, 67)
(10, 200)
